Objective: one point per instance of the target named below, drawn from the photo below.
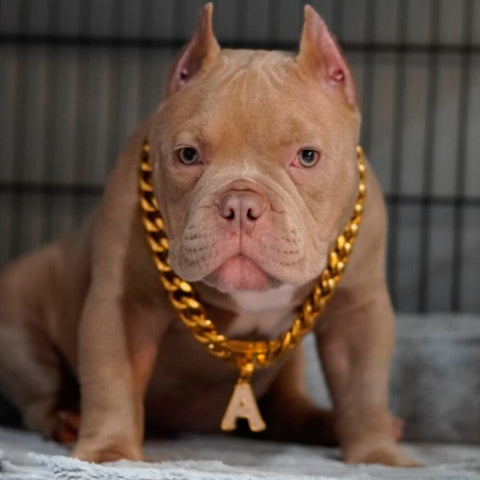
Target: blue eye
(308, 157)
(188, 155)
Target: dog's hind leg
(31, 372)
(29, 375)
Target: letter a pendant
(243, 405)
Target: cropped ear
(199, 53)
(320, 55)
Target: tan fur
(92, 300)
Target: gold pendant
(243, 403)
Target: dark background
(77, 76)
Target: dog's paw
(388, 454)
(65, 429)
(88, 452)
(59, 425)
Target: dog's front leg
(355, 348)
(117, 349)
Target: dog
(255, 173)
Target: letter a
(243, 405)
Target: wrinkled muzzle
(241, 238)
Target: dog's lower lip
(240, 272)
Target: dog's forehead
(254, 95)
(257, 85)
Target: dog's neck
(253, 315)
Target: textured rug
(24, 456)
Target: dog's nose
(241, 208)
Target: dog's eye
(308, 157)
(188, 155)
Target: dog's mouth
(240, 272)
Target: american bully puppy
(255, 173)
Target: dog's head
(255, 165)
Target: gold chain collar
(245, 355)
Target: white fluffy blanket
(24, 456)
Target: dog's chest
(194, 387)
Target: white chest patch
(256, 302)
